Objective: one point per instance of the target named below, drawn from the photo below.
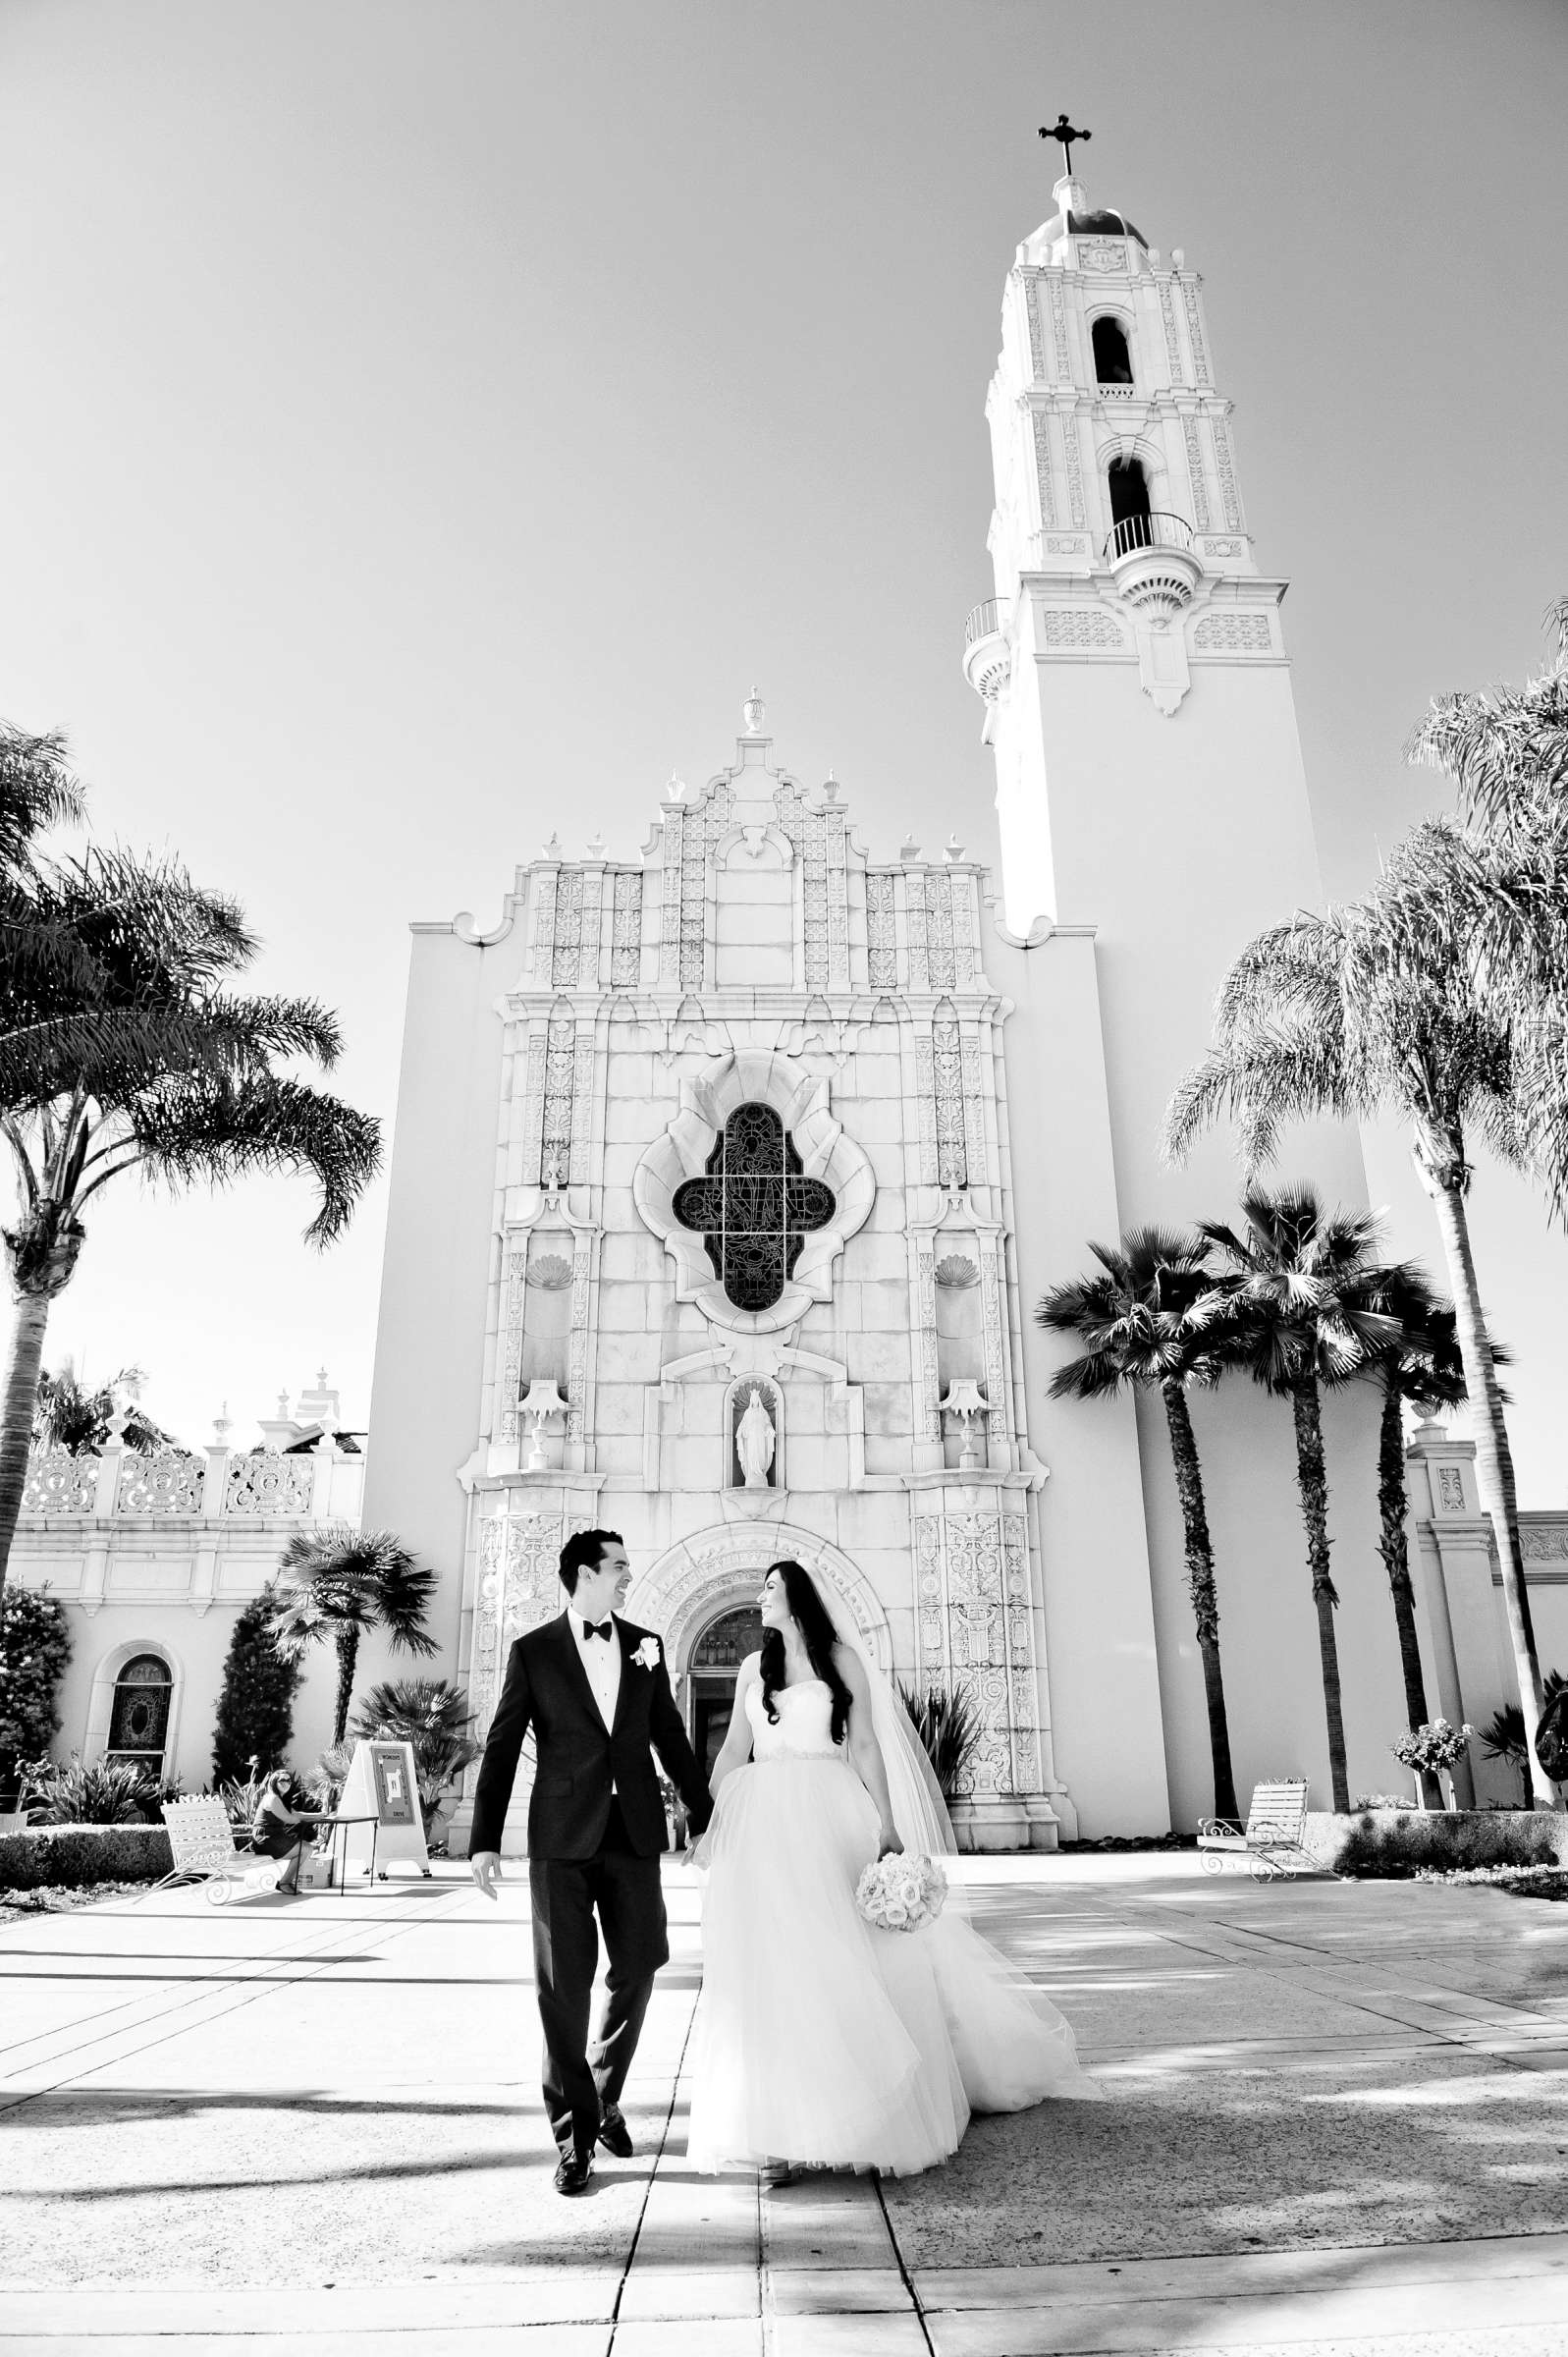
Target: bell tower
(1137, 689)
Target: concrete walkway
(1335, 2121)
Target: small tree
(432, 1715)
(255, 1702)
(34, 1648)
(338, 1583)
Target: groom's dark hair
(581, 1552)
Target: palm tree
(1135, 1321)
(340, 1583)
(173, 1079)
(71, 1417)
(1293, 1303)
(432, 1715)
(1420, 1364)
(1379, 1008)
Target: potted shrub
(1433, 1750)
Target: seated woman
(281, 1831)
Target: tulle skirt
(823, 2041)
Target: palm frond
(211, 1129)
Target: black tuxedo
(596, 1830)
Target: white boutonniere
(647, 1655)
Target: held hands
(890, 1846)
(485, 1867)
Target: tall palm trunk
(346, 1638)
(1201, 1587)
(1312, 1479)
(41, 1251)
(1393, 1545)
(1444, 1174)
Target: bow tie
(599, 1628)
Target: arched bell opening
(1112, 358)
(1128, 486)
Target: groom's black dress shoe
(575, 2171)
(613, 2133)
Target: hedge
(1396, 1843)
(67, 1856)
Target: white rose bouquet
(901, 1893)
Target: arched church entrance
(716, 1658)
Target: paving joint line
(904, 2276)
(647, 2193)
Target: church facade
(728, 1170)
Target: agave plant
(108, 1792)
(948, 1727)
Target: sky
(420, 425)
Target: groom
(596, 1693)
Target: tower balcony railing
(985, 620)
(1133, 532)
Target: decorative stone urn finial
(754, 713)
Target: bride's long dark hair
(815, 1623)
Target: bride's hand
(891, 1847)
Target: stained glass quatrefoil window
(753, 1207)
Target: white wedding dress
(817, 2039)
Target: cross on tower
(1063, 131)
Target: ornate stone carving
(519, 1560)
(1072, 628)
(1069, 437)
(268, 1483)
(1037, 338)
(1539, 1542)
(952, 1162)
(58, 1483)
(691, 835)
(1101, 254)
(560, 1096)
(882, 939)
(693, 1582)
(590, 922)
(974, 1110)
(625, 945)
(544, 923)
(819, 838)
(973, 1614)
(566, 949)
(1227, 477)
(1048, 504)
(1196, 474)
(1059, 331)
(1200, 354)
(168, 1482)
(1234, 634)
(1067, 544)
(1450, 1490)
(1167, 320)
(941, 966)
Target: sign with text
(382, 1783)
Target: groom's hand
(891, 1845)
(485, 1867)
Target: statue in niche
(755, 1442)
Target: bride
(819, 2042)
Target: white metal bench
(1272, 1843)
(202, 1839)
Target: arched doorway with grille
(715, 1660)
